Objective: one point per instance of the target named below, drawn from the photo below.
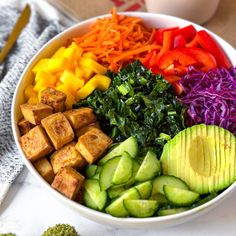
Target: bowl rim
(86, 211)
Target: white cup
(198, 11)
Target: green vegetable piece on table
(61, 230)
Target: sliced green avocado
(202, 156)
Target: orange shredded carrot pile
(118, 40)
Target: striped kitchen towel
(37, 32)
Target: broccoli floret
(61, 230)
(8, 234)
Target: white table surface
(29, 209)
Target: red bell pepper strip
(206, 60)
(174, 69)
(159, 35)
(167, 44)
(194, 43)
(172, 78)
(179, 41)
(178, 55)
(187, 32)
(209, 44)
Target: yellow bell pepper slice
(33, 100)
(90, 55)
(72, 82)
(29, 92)
(44, 79)
(98, 81)
(93, 65)
(59, 52)
(57, 64)
(78, 50)
(84, 72)
(70, 100)
(41, 65)
(102, 82)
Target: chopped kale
(138, 103)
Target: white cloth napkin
(45, 22)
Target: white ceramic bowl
(151, 20)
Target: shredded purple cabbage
(210, 97)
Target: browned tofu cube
(54, 98)
(93, 144)
(68, 182)
(24, 126)
(80, 117)
(58, 129)
(86, 128)
(34, 113)
(44, 168)
(67, 156)
(35, 143)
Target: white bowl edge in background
(152, 20)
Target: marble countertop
(29, 209)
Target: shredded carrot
(118, 40)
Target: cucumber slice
(180, 197)
(149, 168)
(141, 208)
(169, 180)
(116, 208)
(96, 176)
(204, 200)
(167, 212)
(124, 169)
(144, 189)
(132, 179)
(90, 171)
(130, 145)
(88, 201)
(107, 173)
(159, 198)
(114, 192)
(93, 194)
(97, 173)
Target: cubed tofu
(58, 129)
(35, 143)
(68, 182)
(24, 126)
(54, 98)
(80, 117)
(80, 196)
(86, 128)
(93, 144)
(67, 156)
(34, 113)
(44, 168)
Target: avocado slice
(204, 156)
